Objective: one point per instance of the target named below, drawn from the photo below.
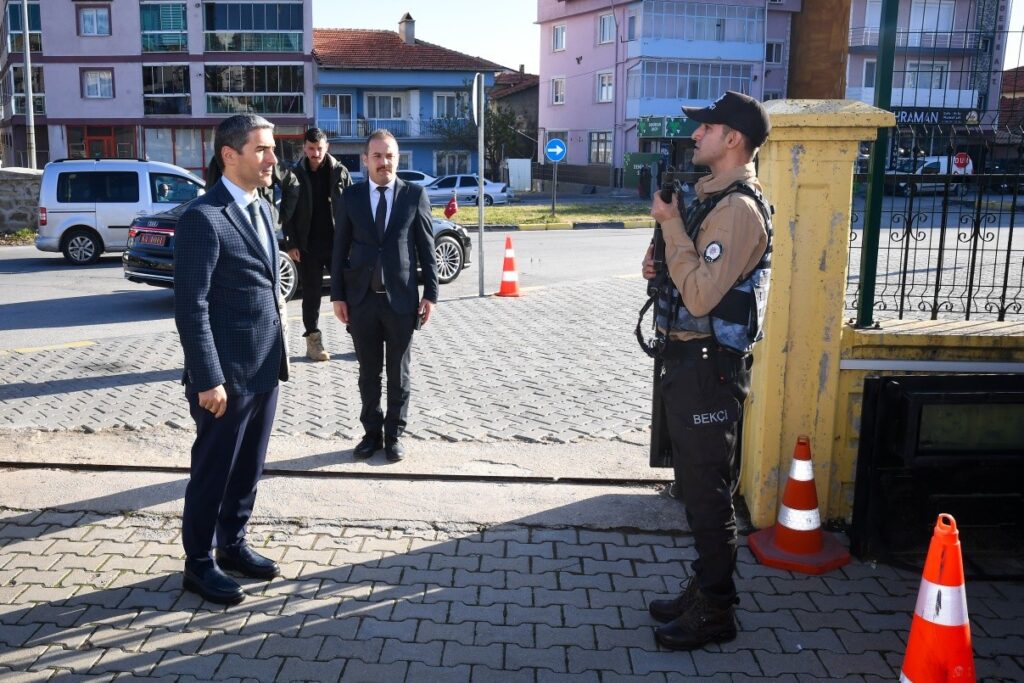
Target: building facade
(369, 79)
(613, 75)
(947, 69)
(152, 78)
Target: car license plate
(153, 238)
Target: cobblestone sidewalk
(98, 598)
(549, 367)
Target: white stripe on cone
(509, 276)
(510, 253)
(941, 605)
(801, 470)
(799, 520)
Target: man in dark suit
(228, 313)
(383, 230)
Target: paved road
(44, 301)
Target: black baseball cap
(738, 111)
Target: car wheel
(488, 200)
(289, 275)
(82, 247)
(449, 258)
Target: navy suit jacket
(408, 242)
(226, 298)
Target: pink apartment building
(613, 75)
(151, 78)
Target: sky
(502, 32)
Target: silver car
(465, 187)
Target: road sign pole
(554, 187)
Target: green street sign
(665, 127)
(651, 127)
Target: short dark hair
(234, 132)
(379, 134)
(315, 135)
(748, 144)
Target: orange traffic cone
(939, 648)
(509, 277)
(796, 542)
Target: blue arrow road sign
(555, 150)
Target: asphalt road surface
(44, 301)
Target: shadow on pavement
(94, 309)
(63, 386)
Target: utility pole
(30, 117)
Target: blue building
(385, 79)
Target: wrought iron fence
(951, 229)
(952, 241)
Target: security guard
(711, 309)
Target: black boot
(704, 622)
(667, 610)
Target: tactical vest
(735, 323)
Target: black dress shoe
(245, 560)
(394, 449)
(370, 444)
(204, 577)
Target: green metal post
(876, 169)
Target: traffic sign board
(555, 150)
(961, 160)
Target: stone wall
(19, 198)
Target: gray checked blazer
(226, 299)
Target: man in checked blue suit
(226, 307)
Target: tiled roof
(510, 82)
(1013, 81)
(352, 48)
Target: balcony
(920, 97)
(867, 36)
(359, 127)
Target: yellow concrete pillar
(807, 170)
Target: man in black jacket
(309, 235)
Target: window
(258, 88)
(869, 73)
(383, 107)
(97, 83)
(165, 89)
(773, 53)
(102, 187)
(686, 80)
(557, 91)
(448, 163)
(558, 37)
(562, 135)
(772, 95)
(605, 87)
(253, 26)
(931, 23)
(185, 147)
(171, 189)
(164, 27)
(94, 21)
(335, 115)
(606, 28)
(16, 32)
(600, 149)
(631, 24)
(451, 105)
(405, 160)
(718, 22)
(18, 89)
(926, 75)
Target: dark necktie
(380, 220)
(254, 216)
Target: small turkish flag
(452, 208)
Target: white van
(923, 167)
(86, 205)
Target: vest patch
(713, 252)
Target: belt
(690, 349)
